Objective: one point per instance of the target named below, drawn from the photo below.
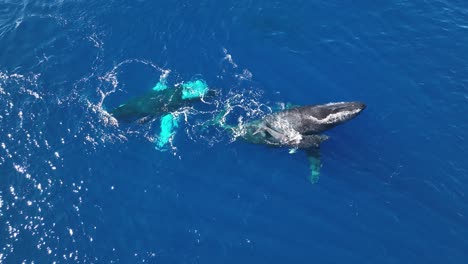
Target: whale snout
(346, 107)
(322, 117)
(359, 105)
(347, 110)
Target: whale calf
(300, 128)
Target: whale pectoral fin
(169, 123)
(313, 155)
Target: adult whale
(300, 128)
(162, 102)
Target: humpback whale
(162, 102)
(300, 128)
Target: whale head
(318, 118)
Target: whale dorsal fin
(313, 155)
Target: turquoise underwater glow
(194, 89)
(161, 85)
(190, 90)
(168, 123)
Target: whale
(162, 102)
(301, 128)
(158, 102)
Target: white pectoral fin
(169, 123)
(313, 155)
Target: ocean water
(77, 187)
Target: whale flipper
(169, 123)
(313, 155)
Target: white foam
(228, 57)
(19, 168)
(245, 75)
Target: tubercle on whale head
(349, 110)
(345, 106)
(333, 113)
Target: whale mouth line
(336, 117)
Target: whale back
(152, 104)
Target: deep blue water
(76, 188)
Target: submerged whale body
(300, 128)
(162, 102)
(154, 103)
